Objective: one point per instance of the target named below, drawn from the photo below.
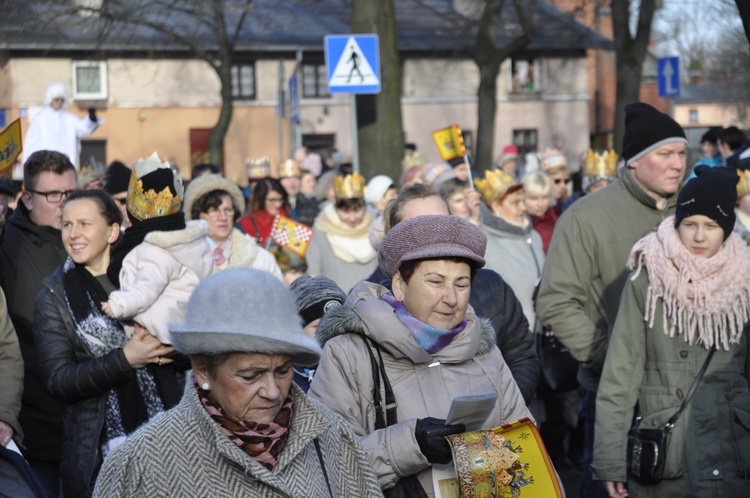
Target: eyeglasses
(215, 212)
(275, 200)
(53, 196)
(558, 181)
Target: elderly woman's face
(437, 293)
(220, 220)
(251, 387)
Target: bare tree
(488, 58)
(380, 126)
(207, 29)
(630, 53)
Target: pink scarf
(705, 300)
(263, 442)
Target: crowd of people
(163, 339)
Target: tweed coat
(183, 453)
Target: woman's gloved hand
(430, 434)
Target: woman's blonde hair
(537, 184)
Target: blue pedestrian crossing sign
(352, 63)
(668, 76)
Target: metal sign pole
(355, 132)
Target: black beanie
(712, 193)
(647, 129)
(117, 178)
(315, 296)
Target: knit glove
(92, 114)
(430, 433)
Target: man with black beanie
(585, 271)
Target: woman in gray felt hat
(242, 428)
(430, 345)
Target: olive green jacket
(709, 448)
(585, 268)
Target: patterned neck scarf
(429, 338)
(263, 442)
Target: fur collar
(244, 250)
(344, 320)
(193, 231)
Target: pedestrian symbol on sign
(352, 64)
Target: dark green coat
(709, 449)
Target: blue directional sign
(668, 76)
(352, 63)
(293, 100)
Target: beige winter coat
(471, 364)
(160, 274)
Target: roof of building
(713, 93)
(424, 26)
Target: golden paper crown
(550, 159)
(743, 186)
(414, 159)
(494, 185)
(349, 186)
(289, 169)
(602, 165)
(151, 204)
(258, 168)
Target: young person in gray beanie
(584, 272)
(421, 344)
(315, 296)
(242, 428)
(683, 321)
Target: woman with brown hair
(269, 199)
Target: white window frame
(101, 95)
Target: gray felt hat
(431, 236)
(241, 310)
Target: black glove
(430, 434)
(92, 114)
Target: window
(243, 81)
(525, 140)
(525, 75)
(693, 115)
(89, 80)
(314, 80)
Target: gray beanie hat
(241, 310)
(202, 185)
(315, 296)
(431, 236)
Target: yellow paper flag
(450, 142)
(291, 234)
(10, 145)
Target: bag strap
(673, 418)
(378, 372)
(323, 465)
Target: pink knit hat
(431, 236)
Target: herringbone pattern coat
(184, 454)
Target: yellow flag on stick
(10, 145)
(291, 235)
(450, 142)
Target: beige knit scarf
(349, 244)
(705, 300)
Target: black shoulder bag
(385, 415)
(647, 448)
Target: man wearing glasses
(30, 251)
(54, 128)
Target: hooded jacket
(470, 364)
(184, 453)
(586, 268)
(28, 254)
(11, 371)
(708, 452)
(160, 274)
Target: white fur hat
(376, 188)
(56, 89)
(241, 310)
